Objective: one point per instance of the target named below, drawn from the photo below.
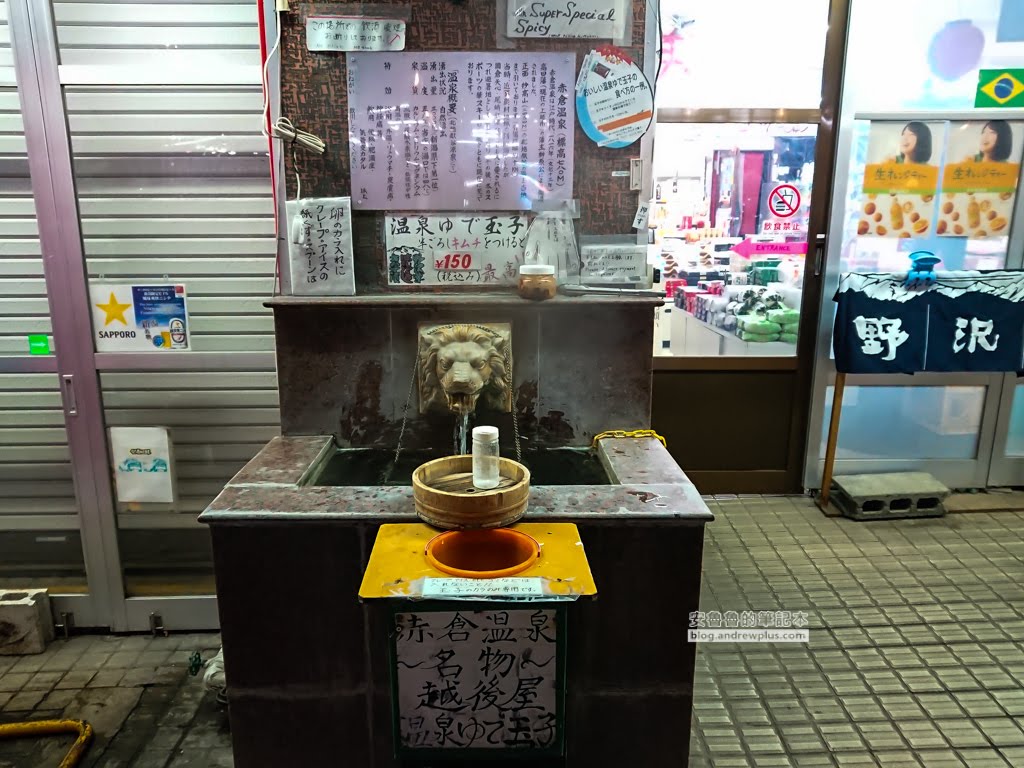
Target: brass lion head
(463, 365)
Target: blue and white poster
(614, 100)
(139, 318)
(963, 321)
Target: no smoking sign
(784, 201)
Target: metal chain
(412, 385)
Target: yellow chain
(633, 433)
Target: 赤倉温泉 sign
(965, 321)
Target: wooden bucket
(471, 508)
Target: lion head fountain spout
(463, 365)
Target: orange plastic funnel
(483, 554)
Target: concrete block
(26, 624)
(889, 496)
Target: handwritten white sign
(354, 33)
(483, 679)
(454, 249)
(640, 220)
(320, 246)
(567, 18)
(613, 263)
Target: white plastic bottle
(486, 467)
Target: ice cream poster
(139, 318)
(979, 182)
(143, 465)
(901, 179)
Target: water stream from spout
(461, 430)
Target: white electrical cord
(285, 129)
(266, 76)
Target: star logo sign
(113, 310)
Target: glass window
(40, 544)
(741, 54)
(926, 55)
(907, 422)
(730, 252)
(1015, 438)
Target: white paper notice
(454, 249)
(640, 220)
(354, 33)
(512, 586)
(460, 131)
(320, 246)
(142, 464)
(613, 263)
(567, 18)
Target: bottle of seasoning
(537, 282)
(486, 466)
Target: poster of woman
(901, 178)
(979, 183)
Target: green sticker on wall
(39, 344)
(1000, 88)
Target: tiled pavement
(917, 641)
(136, 691)
(916, 655)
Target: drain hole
(929, 502)
(874, 505)
(899, 504)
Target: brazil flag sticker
(1000, 88)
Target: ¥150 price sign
(454, 261)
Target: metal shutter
(164, 105)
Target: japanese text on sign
(477, 679)
(320, 246)
(613, 263)
(354, 33)
(460, 248)
(460, 131)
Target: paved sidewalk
(136, 691)
(916, 656)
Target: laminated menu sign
(614, 100)
(460, 131)
(354, 33)
(567, 18)
(139, 318)
(477, 680)
(454, 249)
(979, 182)
(901, 179)
(320, 246)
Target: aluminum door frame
(48, 142)
(959, 473)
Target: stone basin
(353, 467)
(305, 655)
